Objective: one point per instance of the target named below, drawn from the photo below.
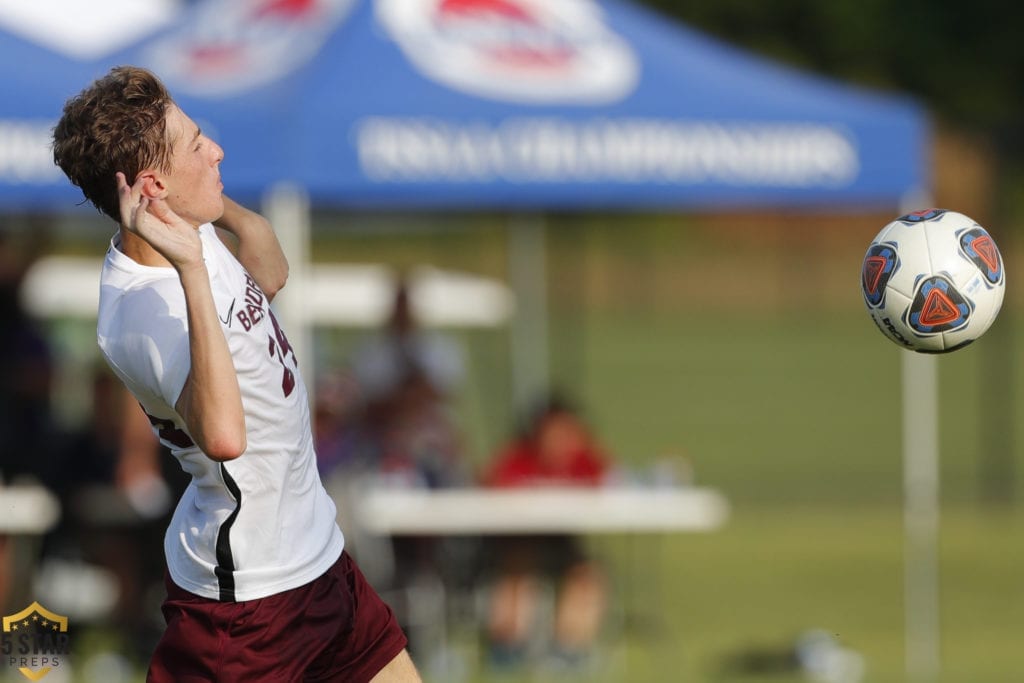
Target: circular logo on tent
(224, 47)
(533, 51)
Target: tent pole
(921, 515)
(921, 508)
(286, 206)
(527, 267)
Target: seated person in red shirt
(557, 449)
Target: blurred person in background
(28, 431)
(555, 448)
(117, 500)
(408, 377)
(259, 586)
(404, 433)
(337, 409)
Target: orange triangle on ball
(938, 309)
(986, 249)
(874, 266)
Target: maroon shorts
(333, 629)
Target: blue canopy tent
(506, 104)
(515, 105)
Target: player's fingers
(159, 209)
(139, 214)
(124, 195)
(137, 189)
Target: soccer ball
(933, 281)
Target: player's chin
(217, 211)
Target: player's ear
(153, 185)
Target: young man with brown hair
(259, 585)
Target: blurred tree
(964, 60)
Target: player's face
(193, 186)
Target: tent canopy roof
(496, 104)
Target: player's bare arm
(256, 246)
(210, 402)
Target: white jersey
(256, 525)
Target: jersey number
(279, 348)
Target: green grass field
(774, 573)
(798, 423)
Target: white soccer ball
(933, 281)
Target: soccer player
(259, 587)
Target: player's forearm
(210, 402)
(257, 246)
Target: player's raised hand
(153, 220)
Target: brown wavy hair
(118, 123)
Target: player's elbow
(276, 281)
(223, 447)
